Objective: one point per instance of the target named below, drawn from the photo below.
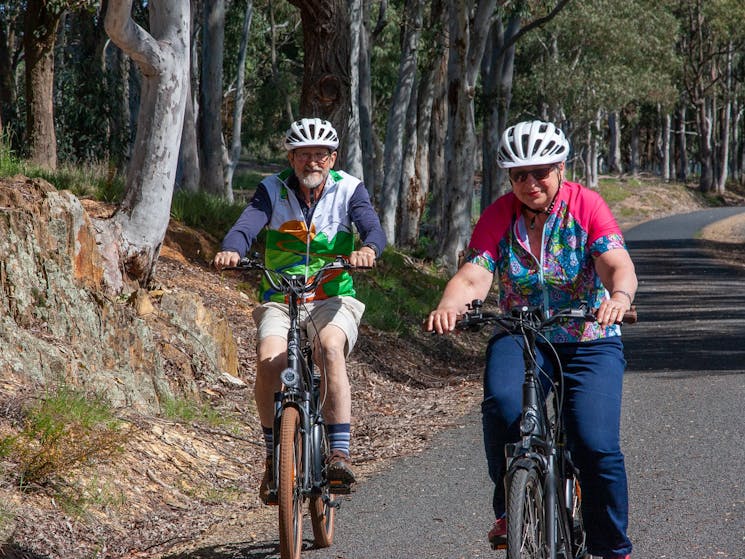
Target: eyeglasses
(319, 156)
(537, 174)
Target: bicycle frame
(301, 385)
(302, 390)
(538, 444)
(542, 444)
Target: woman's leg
(502, 406)
(593, 385)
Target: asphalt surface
(683, 428)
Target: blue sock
(339, 436)
(268, 440)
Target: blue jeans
(593, 379)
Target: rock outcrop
(58, 325)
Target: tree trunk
(367, 144)
(7, 71)
(438, 135)
(326, 45)
(187, 171)
(240, 99)
(615, 163)
(410, 186)
(416, 196)
(704, 119)
(468, 31)
(211, 93)
(163, 59)
(396, 126)
(682, 145)
(725, 123)
(353, 160)
(277, 82)
(635, 149)
(666, 160)
(39, 35)
(498, 75)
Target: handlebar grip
(630, 316)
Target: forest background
(420, 92)
(166, 112)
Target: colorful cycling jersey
(299, 238)
(579, 229)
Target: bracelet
(631, 300)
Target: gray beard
(308, 182)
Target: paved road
(683, 430)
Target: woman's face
(536, 185)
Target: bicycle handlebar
(529, 317)
(285, 283)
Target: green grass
(63, 430)
(398, 292)
(187, 411)
(206, 212)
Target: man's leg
(333, 328)
(271, 358)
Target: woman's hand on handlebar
(611, 312)
(226, 259)
(363, 258)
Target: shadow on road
(691, 327)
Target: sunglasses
(537, 174)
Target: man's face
(312, 164)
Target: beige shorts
(273, 319)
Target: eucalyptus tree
(134, 235)
(41, 21)
(592, 63)
(239, 101)
(418, 170)
(10, 55)
(353, 148)
(326, 56)
(210, 137)
(513, 21)
(470, 21)
(402, 104)
(711, 35)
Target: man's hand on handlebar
(226, 259)
(363, 258)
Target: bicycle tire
(526, 530)
(290, 484)
(322, 514)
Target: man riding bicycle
(308, 211)
(551, 243)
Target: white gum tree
(133, 236)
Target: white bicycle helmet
(311, 132)
(532, 143)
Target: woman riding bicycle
(553, 243)
(309, 211)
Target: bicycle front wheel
(290, 484)
(526, 530)
(320, 508)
